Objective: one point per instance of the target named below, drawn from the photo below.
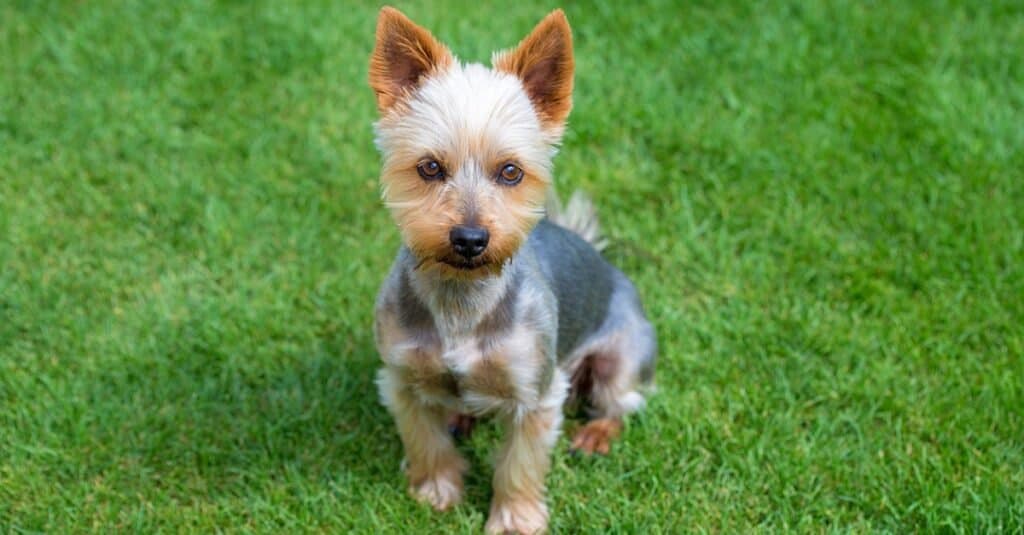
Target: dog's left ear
(544, 62)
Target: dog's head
(467, 149)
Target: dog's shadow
(229, 426)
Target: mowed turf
(821, 204)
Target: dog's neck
(459, 304)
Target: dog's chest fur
(464, 345)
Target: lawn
(821, 202)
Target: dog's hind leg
(616, 365)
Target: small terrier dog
(491, 308)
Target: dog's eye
(430, 170)
(510, 174)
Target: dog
(498, 302)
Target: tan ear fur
(403, 56)
(544, 62)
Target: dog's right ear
(403, 55)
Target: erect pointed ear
(403, 55)
(544, 62)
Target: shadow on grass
(200, 423)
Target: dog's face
(467, 149)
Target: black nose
(469, 241)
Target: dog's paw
(525, 517)
(596, 436)
(441, 491)
(460, 426)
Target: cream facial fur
(472, 120)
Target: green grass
(822, 203)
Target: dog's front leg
(433, 465)
(518, 504)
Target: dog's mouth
(459, 267)
(464, 265)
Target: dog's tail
(578, 215)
